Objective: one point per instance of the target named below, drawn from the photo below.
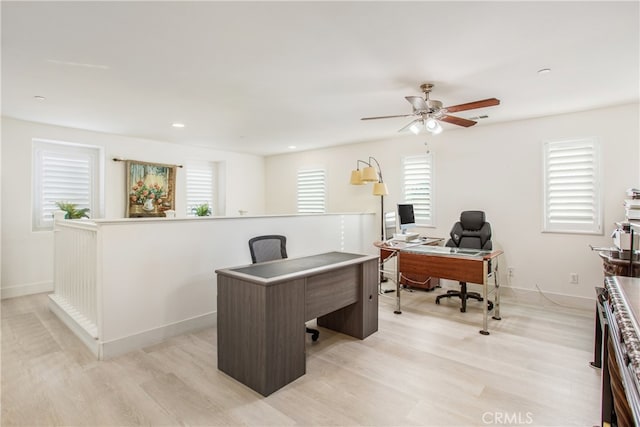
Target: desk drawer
(460, 269)
(328, 292)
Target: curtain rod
(117, 159)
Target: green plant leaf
(202, 210)
(72, 212)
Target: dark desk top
(288, 268)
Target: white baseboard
(547, 299)
(540, 298)
(86, 338)
(154, 336)
(106, 350)
(27, 289)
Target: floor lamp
(370, 174)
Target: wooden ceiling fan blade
(457, 121)
(418, 103)
(386, 117)
(490, 102)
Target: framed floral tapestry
(150, 189)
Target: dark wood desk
(262, 310)
(463, 265)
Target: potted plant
(72, 212)
(202, 210)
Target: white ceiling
(258, 77)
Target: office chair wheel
(490, 305)
(314, 336)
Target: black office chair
(269, 248)
(472, 232)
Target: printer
(623, 237)
(625, 242)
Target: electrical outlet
(573, 278)
(511, 271)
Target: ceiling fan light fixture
(433, 126)
(431, 112)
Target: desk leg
(398, 310)
(496, 306)
(485, 309)
(384, 258)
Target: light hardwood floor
(426, 367)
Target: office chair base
(467, 295)
(314, 334)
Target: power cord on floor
(554, 302)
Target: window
(417, 187)
(201, 186)
(64, 172)
(572, 186)
(311, 191)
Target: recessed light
(292, 147)
(39, 98)
(178, 125)
(544, 71)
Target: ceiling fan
(429, 112)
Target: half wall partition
(125, 284)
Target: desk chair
(471, 232)
(269, 248)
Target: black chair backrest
(268, 248)
(472, 232)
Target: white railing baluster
(75, 272)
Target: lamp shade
(380, 189)
(356, 177)
(369, 174)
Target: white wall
(27, 257)
(496, 168)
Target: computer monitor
(407, 219)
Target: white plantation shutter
(572, 186)
(417, 186)
(311, 191)
(201, 185)
(64, 173)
